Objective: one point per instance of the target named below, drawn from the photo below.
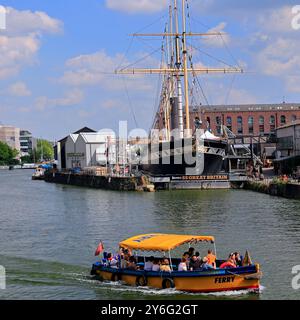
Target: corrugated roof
(74, 137)
(98, 137)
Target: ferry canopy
(161, 242)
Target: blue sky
(57, 56)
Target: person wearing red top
(230, 263)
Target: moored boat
(39, 174)
(245, 277)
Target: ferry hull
(210, 281)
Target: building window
(283, 120)
(240, 125)
(272, 124)
(250, 125)
(229, 123)
(261, 124)
(219, 124)
(294, 117)
(208, 123)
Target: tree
(27, 159)
(7, 154)
(43, 151)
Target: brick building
(254, 119)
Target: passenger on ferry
(195, 263)
(238, 259)
(109, 257)
(230, 263)
(132, 263)
(211, 258)
(114, 263)
(205, 265)
(182, 265)
(186, 256)
(149, 264)
(191, 251)
(165, 265)
(197, 254)
(155, 266)
(125, 253)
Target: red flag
(99, 249)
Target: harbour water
(49, 232)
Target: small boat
(39, 174)
(245, 277)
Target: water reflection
(56, 228)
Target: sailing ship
(176, 149)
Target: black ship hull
(168, 159)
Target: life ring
(115, 277)
(141, 281)
(168, 283)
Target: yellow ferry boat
(245, 277)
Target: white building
(89, 149)
(70, 149)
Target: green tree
(7, 154)
(27, 159)
(43, 151)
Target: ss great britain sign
(202, 178)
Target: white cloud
(16, 52)
(90, 69)
(99, 69)
(276, 47)
(280, 57)
(71, 98)
(137, 6)
(20, 42)
(277, 20)
(27, 22)
(218, 40)
(18, 89)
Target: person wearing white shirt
(149, 264)
(182, 265)
(155, 266)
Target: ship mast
(178, 75)
(178, 68)
(186, 84)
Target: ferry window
(240, 125)
(294, 117)
(283, 120)
(250, 125)
(261, 124)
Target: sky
(57, 59)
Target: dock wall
(92, 181)
(286, 190)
